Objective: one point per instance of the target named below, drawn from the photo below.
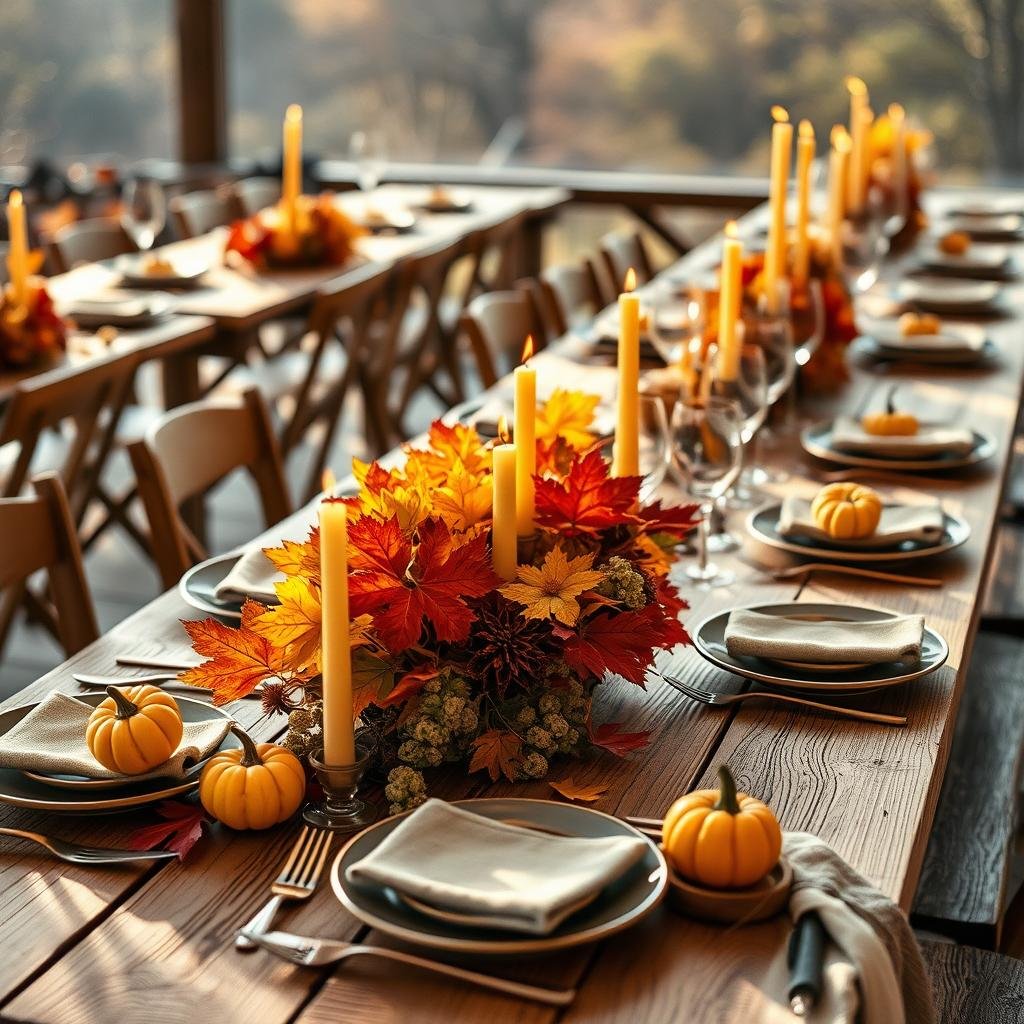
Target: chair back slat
(88, 241)
(622, 250)
(570, 296)
(196, 213)
(496, 325)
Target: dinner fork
(726, 699)
(75, 854)
(310, 952)
(161, 679)
(806, 568)
(297, 880)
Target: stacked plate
(953, 345)
(76, 794)
(619, 905)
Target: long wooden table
(154, 944)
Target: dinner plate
(987, 207)
(982, 260)
(872, 348)
(817, 441)
(709, 640)
(990, 225)
(620, 905)
(390, 222)
(198, 587)
(763, 525)
(123, 309)
(949, 295)
(21, 791)
(453, 203)
(184, 274)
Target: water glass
(368, 151)
(143, 211)
(655, 445)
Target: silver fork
(297, 880)
(310, 952)
(75, 854)
(725, 699)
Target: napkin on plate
(513, 878)
(752, 634)
(51, 739)
(898, 523)
(931, 439)
(966, 338)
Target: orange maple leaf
(569, 415)
(497, 751)
(298, 558)
(582, 792)
(588, 499)
(293, 626)
(238, 659)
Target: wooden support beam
(202, 126)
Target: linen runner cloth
(889, 981)
(931, 439)
(752, 634)
(51, 739)
(509, 877)
(898, 524)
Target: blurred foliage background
(666, 85)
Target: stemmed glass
(143, 211)
(864, 247)
(750, 392)
(675, 318)
(772, 332)
(706, 441)
(368, 151)
(655, 444)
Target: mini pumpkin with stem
(891, 422)
(135, 729)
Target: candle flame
(780, 114)
(732, 230)
(327, 481)
(503, 428)
(806, 129)
(855, 86)
(527, 349)
(293, 113)
(629, 284)
(896, 111)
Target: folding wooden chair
(255, 194)
(88, 241)
(196, 213)
(570, 296)
(37, 532)
(622, 250)
(188, 451)
(496, 326)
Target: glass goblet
(143, 211)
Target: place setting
(925, 339)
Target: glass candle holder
(342, 810)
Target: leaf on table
(497, 751)
(588, 499)
(238, 660)
(576, 791)
(609, 736)
(569, 415)
(180, 830)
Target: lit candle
(856, 184)
(526, 443)
(17, 258)
(335, 652)
(729, 296)
(838, 161)
(804, 159)
(291, 183)
(626, 451)
(898, 155)
(775, 256)
(503, 512)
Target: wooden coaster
(733, 906)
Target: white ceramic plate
(183, 274)
(950, 295)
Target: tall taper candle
(526, 440)
(804, 159)
(503, 510)
(291, 174)
(898, 157)
(336, 654)
(838, 161)
(775, 255)
(856, 185)
(730, 295)
(17, 258)
(626, 450)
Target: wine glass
(749, 390)
(706, 444)
(143, 211)
(772, 332)
(864, 247)
(807, 315)
(675, 317)
(368, 151)
(655, 444)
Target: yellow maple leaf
(465, 501)
(569, 415)
(552, 589)
(298, 558)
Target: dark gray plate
(198, 587)
(763, 525)
(620, 905)
(709, 639)
(817, 441)
(871, 348)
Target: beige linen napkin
(966, 338)
(898, 523)
(506, 876)
(755, 635)
(888, 980)
(932, 439)
(51, 738)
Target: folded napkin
(879, 641)
(931, 439)
(885, 979)
(967, 338)
(898, 524)
(512, 878)
(51, 739)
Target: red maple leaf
(411, 683)
(611, 737)
(675, 520)
(587, 500)
(181, 828)
(399, 586)
(622, 643)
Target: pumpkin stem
(726, 792)
(250, 755)
(890, 400)
(125, 708)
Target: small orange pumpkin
(891, 422)
(914, 324)
(847, 511)
(135, 729)
(721, 838)
(955, 243)
(254, 787)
